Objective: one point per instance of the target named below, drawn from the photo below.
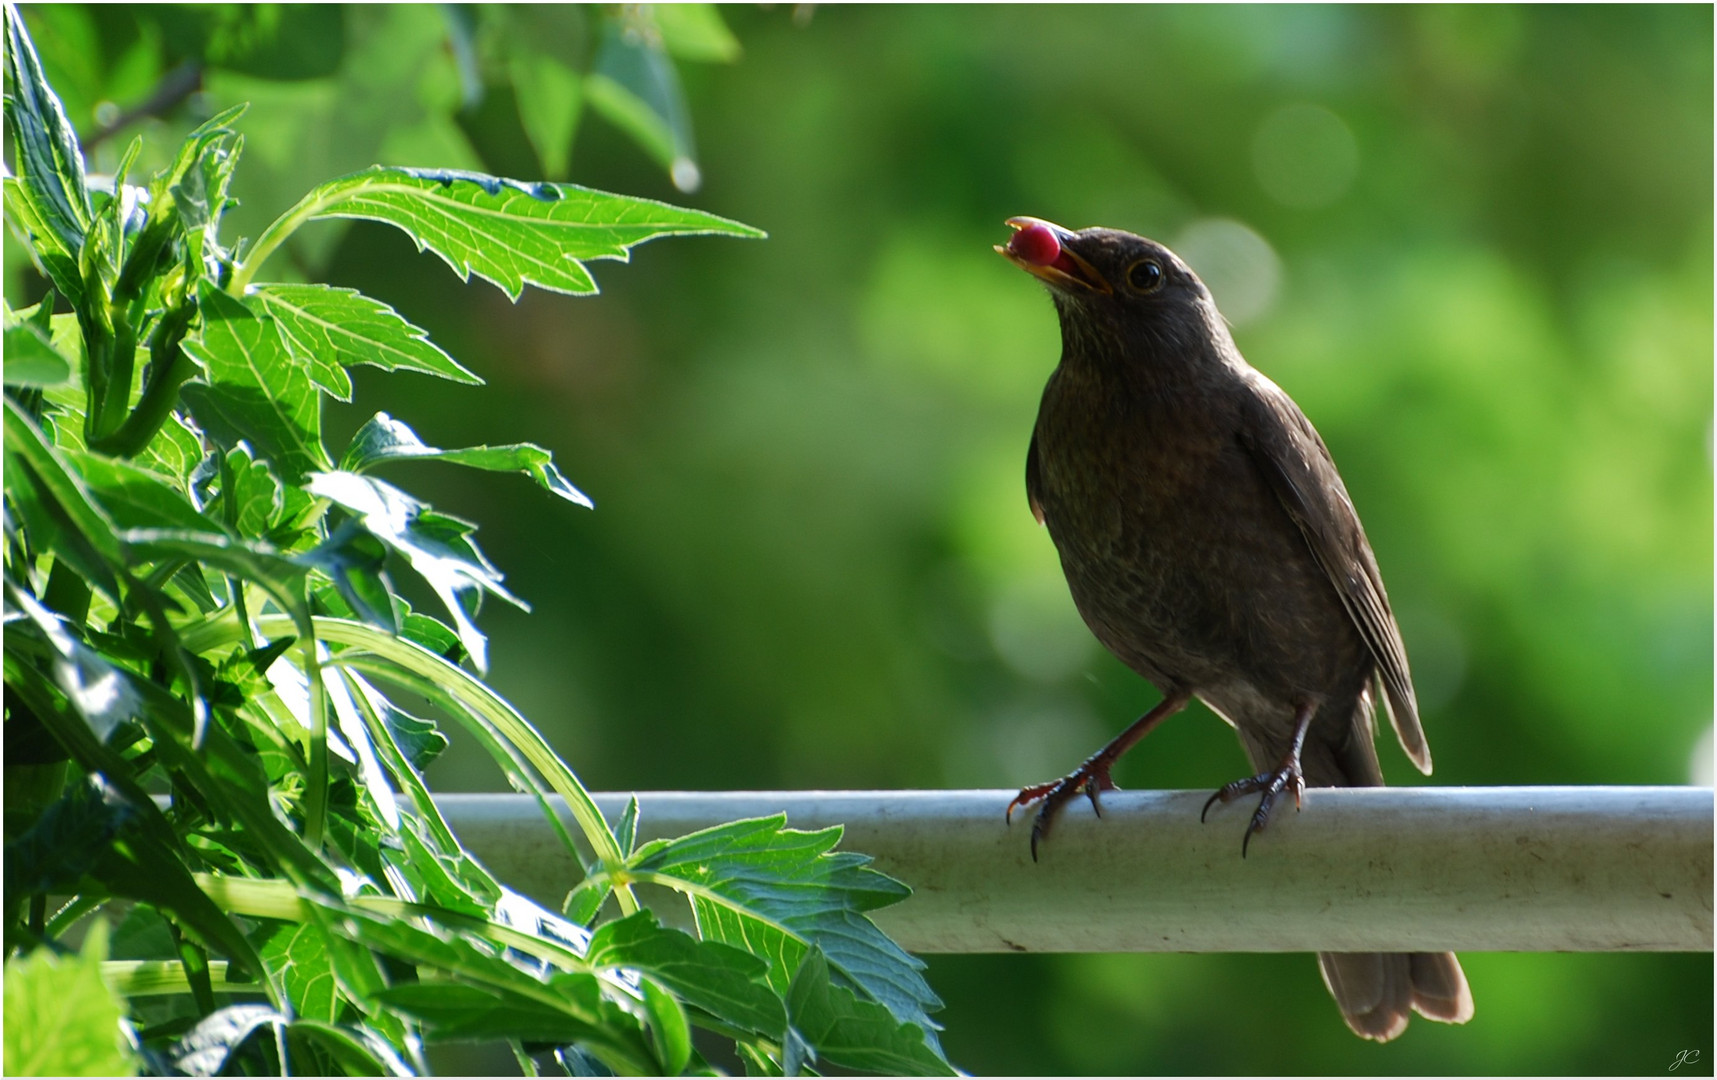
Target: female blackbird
(1210, 544)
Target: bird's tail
(1375, 991)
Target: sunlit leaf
(136, 498)
(432, 543)
(775, 891)
(298, 954)
(50, 162)
(61, 1019)
(510, 232)
(722, 980)
(385, 439)
(252, 390)
(330, 329)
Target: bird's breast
(1178, 555)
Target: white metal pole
(1397, 869)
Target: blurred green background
(1475, 244)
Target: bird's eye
(1145, 275)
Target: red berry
(1035, 244)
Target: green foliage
(61, 1017)
(199, 605)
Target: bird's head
(1112, 284)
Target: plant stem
(275, 235)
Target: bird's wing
(1033, 483)
(1298, 468)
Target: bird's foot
(1090, 778)
(1270, 784)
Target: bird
(1209, 543)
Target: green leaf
(58, 263)
(58, 848)
(855, 1034)
(509, 232)
(252, 390)
(357, 1050)
(49, 161)
(626, 830)
(55, 504)
(668, 1023)
(385, 439)
(298, 955)
(355, 561)
(434, 635)
(31, 359)
(432, 543)
(256, 498)
(134, 497)
(545, 47)
(174, 451)
(330, 329)
(457, 1011)
(722, 980)
(204, 1050)
(61, 1019)
(419, 740)
(696, 32)
(774, 891)
(549, 94)
(635, 87)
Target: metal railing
(1520, 869)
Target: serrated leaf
(252, 390)
(434, 635)
(355, 560)
(722, 980)
(329, 329)
(419, 740)
(61, 1018)
(432, 543)
(49, 161)
(509, 232)
(774, 891)
(256, 498)
(842, 1029)
(47, 250)
(385, 439)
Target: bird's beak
(1068, 271)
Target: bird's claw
(1091, 778)
(1269, 784)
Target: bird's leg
(1093, 776)
(1271, 783)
